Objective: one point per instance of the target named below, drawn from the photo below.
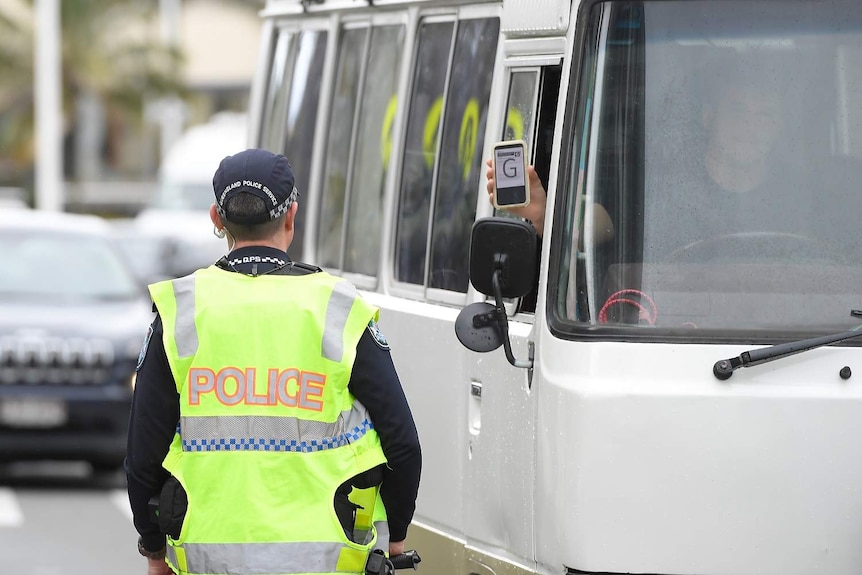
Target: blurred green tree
(111, 52)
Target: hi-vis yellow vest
(268, 429)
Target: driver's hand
(535, 211)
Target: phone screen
(510, 177)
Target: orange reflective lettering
(233, 386)
(235, 394)
(201, 380)
(312, 391)
(284, 394)
(251, 396)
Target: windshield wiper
(724, 368)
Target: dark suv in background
(72, 321)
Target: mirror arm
(503, 323)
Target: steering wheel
(757, 246)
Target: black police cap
(259, 172)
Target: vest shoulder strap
(298, 269)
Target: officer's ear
(291, 215)
(216, 219)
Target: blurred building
(219, 41)
(111, 154)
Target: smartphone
(510, 174)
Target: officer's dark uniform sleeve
(152, 424)
(374, 382)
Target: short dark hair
(246, 205)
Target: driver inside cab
(739, 182)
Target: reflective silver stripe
(259, 558)
(382, 528)
(184, 331)
(171, 555)
(272, 433)
(340, 302)
(363, 536)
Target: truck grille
(31, 360)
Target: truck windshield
(714, 181)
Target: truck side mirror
(505, 245)
(502, 264)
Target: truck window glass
(520, 107)
(530, 115)
(420, 148)
(275, 105)
(302, 120)
(339, 138)
(712, 180)
(549, 93)
(461, 160)
(523, 87)
(373, 148)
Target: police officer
(266, 405)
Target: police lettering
(229, 188)
(233, 386)
(249, 184)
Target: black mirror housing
(506, 244)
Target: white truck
(627, 425)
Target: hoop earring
(219, 233)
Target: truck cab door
(501, 452)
